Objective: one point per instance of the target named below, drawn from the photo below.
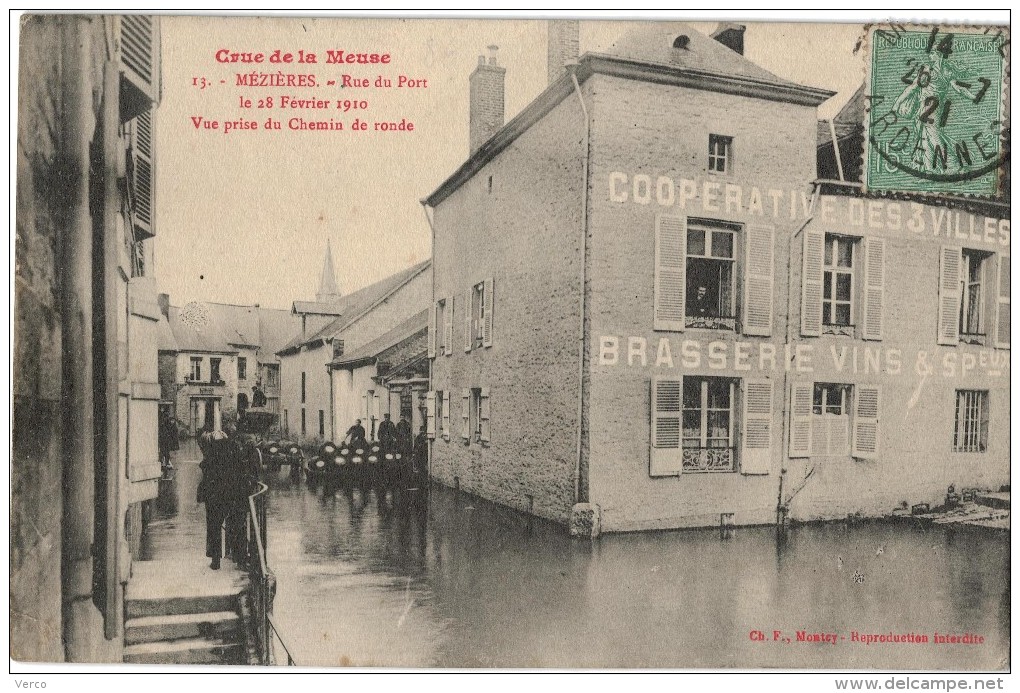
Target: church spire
(328, 291)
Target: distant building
(85, 463)
(213, 355)
(389, 375)
(333, 325)
(650, 312)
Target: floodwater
(376, 578)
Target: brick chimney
(562, 45)
(486, 100)
(730, 35)
(163, 301)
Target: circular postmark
(935, 122)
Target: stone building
(213, 355)
(650, 312)
(331, 328)
(389, 375)
(85, 389)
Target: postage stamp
(936, 121)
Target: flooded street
(368, 577)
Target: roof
(164, 335)
(653, 43)
(318, 307)
(358, 303)
(645, 53)
(194, 329)
(225, 327)
(367, 353)
(276, 328)
(849, 121)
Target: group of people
(395, 436)
(229, 475)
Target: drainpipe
(581, 489)
(789, 338)
(77, 444)
(432, 306)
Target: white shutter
(950, 267)
(484, 414)
(874, 288)
(487, 327)
(670, 272)
(757, 426)
(759, 279)
(811, 280)
(364, 407)
(666, 399)
(138, 48)
(448, 327)
(1002, 304)
(465, 414)
(432, 329)
(469, 333)
(447, 429)
(801, 399)
(430, 414)
(866, 401)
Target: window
(303, 429)
(707, 442)
(475, 415)
(972, 323)
(214, 370)
(444, 318)
(971, 431)
(302, 390)
(272, 375)
(720, 153)
(322, 422)
(830, 419)
(478, 313)
(196, 369)
(710, 277)
(242, 368)
(838, 281)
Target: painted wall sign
(764, 357)
(729, 199)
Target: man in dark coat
(226, 483)
(387, 432)
(356, 433)
(168, 440)
(420, 458)
(404, 435)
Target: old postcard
(469, 343)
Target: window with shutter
(665, 458)
(950, 276)
(830, 419)
(484, 415)
(874, 288)
(141, 185)
(487, 313)
(757, 424)
(447, 427)
(465, 414)
(801, 397)
(670, 271)
(759, 280)
(448, 327)
(138, 50)
(430, 414)
(433, 315)
(469, 338)
(1002, 304)
(811, 284)
(866, 408)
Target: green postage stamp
(937, 121)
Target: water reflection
(386, 576)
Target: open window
(711, 276)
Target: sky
(244, 217)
